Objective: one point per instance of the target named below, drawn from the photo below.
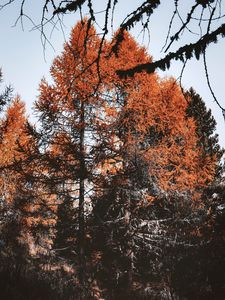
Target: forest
(118, 190)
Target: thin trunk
(127, 210)
(81, 220)
(129, 250)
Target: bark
(81, 219)
(126, 198)
(129, 251)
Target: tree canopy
(116, 191)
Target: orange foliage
(152, 113)
(13, 137)
(25, 199)
(13, 132)
(142, 115)
(74, 73)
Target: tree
(206, 126)
(153, 164)
(6, 95)
(149, 119)
(198, 273)
(23, 202)
(12, 134)
(13, 199)
(69, 112)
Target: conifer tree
(28, 214)
(205, 128)
(124, 146)
(70, 113)
(12, 183)
(152, 149)
(5, 95)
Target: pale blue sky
(23, 62)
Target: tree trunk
(81, 220)
(129, 246)
(126, 196)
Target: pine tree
(6, 95)
(205, 128)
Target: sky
(24, 61)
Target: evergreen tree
(205, 128)
(6, 95)
(65, 227)
(198, 273)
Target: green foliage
(206, 127)
(6, 95)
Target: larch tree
(12, 134)
(29, 214)
(70, 114)
(13, 195)
(152, 150)
(151, 115)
